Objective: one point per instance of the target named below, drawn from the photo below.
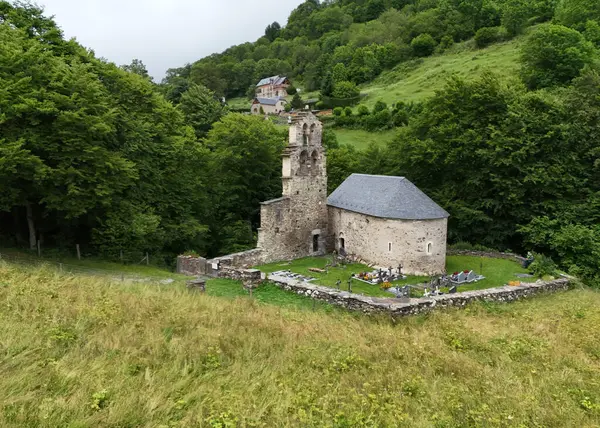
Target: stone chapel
(382, 220)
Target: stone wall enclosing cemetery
(490, 254)
(396, 307)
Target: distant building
(269, 105)
(272, 87)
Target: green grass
(87, 352)
(266, 294)
(419, 79)
(498, 272)
(239, 103)
(362, 139)
(91, 264)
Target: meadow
(83, 351)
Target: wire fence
(67, 268)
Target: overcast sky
(164, 33)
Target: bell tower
(304, 160)
(295, 225)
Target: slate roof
(273, 80)
(269, 101)
(385, 197)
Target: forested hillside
(334, 45)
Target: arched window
(304, 163)
(314, 157)
(429, 248)
(312, 133)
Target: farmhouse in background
(269, 105)
(272, 87)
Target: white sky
(164, 33)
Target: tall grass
(82, 352)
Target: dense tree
(201, 109)
(554, 55)
(272, 31)
(423, 45)
(575, 13)
(137, 67)
(245, 167)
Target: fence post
(121, 256)
(78, 252)
(147, 260)
(39, 248)
(60, 267)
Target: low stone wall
(247, 276)
(192, 266)
(490, 254)
(398, 307)
(244, 259)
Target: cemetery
(482, 273)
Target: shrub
(348, 112)
(486, 36)
(291, 90)
(423, 45)
(379, 106)
(345, 90)
(542, 266)
(363, 110)
(320, 105)
(288, 107)
(554, 55)
(338, 111)
(446, 43)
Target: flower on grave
(386, 285)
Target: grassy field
(83, 352)
(418, 80)
(362, 139)
(498, 272)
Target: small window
(390, 247)
(315, 243)
(342, 243)
(429, 248)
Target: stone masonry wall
(490, 254)
(396, 307)
(291, 225)
(370, 239)
(193, 266)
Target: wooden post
(122, 277)
(39, 248)
(121, 256)
(147, 259)
(60, 267)
(78, 252)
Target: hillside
(79, 351)
(419, 79)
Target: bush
(542, 266)
(379, 106)
(423, 45)
(338, 111)
(291, 90)
(320, 105)
(348, 112)
(288, 107)
(363, 110)
(486, 36)
(446, 43)
(345, 90)
(554, 55)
